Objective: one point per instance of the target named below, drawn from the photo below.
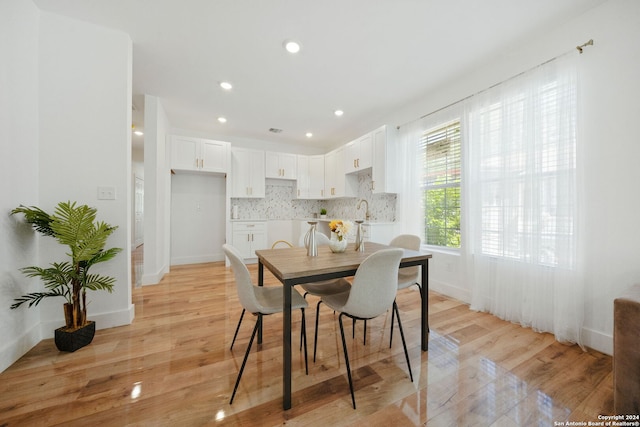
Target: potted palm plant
(77, 228)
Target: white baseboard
(197, 259)
(449, 290)
(597, 340)
(103, 321)
(44, 330)
(154, 279)
(15, 350)
(590, 338)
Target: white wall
(197, 218)
(157, 192)
(18, 172)
(68, 105)
(608, 149)
(84, 101)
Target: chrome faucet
(366, 214)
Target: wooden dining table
(292, 266)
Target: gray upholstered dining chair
(373, 290)
(407, 276)
(275, 244)
(322, 288)
(260, 301)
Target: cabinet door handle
(248, 238)
(201, 163)
(252, 237)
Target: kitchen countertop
(327, 220)
(352, 220)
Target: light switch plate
(106, 193)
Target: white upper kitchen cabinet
(336, 183)
(198, 154)
(302, 180)
(247, 173)
(359, 154)
(316, 177)
(281, 165)
(310, 181)
(384, 172)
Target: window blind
(441, 151)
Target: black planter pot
(71, 341)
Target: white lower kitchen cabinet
(249, 236)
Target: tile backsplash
(279, 203)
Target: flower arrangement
(340, 227)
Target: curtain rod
(579, 48)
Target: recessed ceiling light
(222, 120)
(226, 85)
(309, 134)
(139, 132)
(338, 113)
(291, 46)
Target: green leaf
(37, 218)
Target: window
(440, 148)
(527, 174)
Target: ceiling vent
(275, 130)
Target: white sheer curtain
(409, 205)
(520, 201)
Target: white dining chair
(322, 288)
(407, 276)
(260, 301)
(373, 290)
(277, 243)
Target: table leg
(286, 346)
(424, 342)
(260, 283)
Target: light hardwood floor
(172, 366)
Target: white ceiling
(366, 57)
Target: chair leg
(393, 315)
(303, 333)
(315, 337)
(246, 356)
(353, 331)
(365, 332)
(404, 344)
(237, 329)
(346, 359)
